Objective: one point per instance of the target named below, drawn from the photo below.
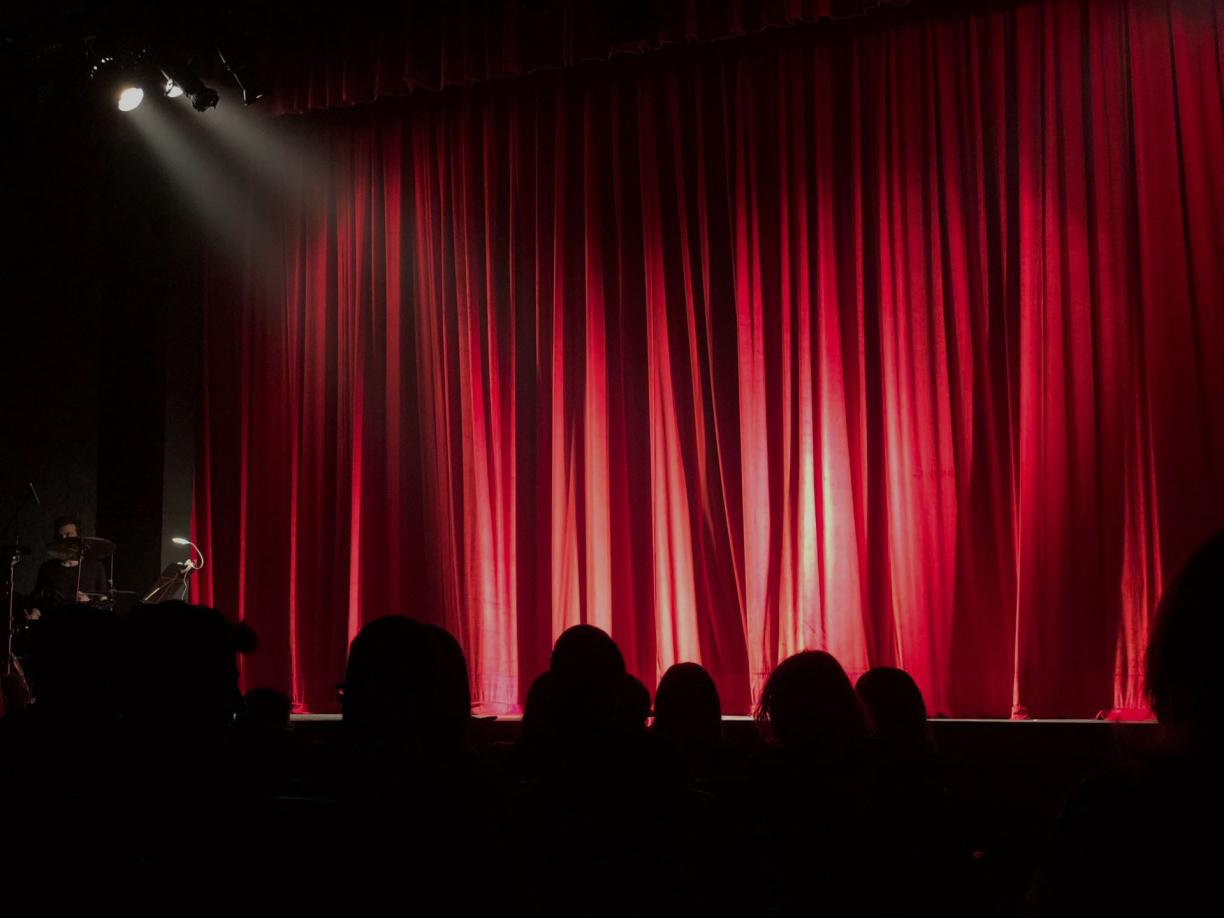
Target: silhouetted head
(809, 704)
(687, 709)
(588, 670)
(1183, 683)
(452, 698)
(265, 709)
(634, 708)
(406, 682)
(181, 667)
(894, 703)
(540, 709)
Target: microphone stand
(80, 566)
(12, 666)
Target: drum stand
(12, 666)
(15, 552)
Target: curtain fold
(902, 343)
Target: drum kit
(22, 613)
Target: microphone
(179, 540)
(34, 492)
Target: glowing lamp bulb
(173, 89)
(130, 98)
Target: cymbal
(75, 549)
(11, 550)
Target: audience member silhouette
(406, 703)
(60, 756)
(262, 742)
(917, 835)
(138, 731)
(72, 665)
(688, 714)
(181, 674)
(536, 746)
(179, 790)
(810, 708)
(898, 713)
(588, 673)
(264, 710)
(687, 709)
(415, 791)
(1144, 840)
(818, 804)
(1182, 668)
(605, 790)
(540, 710)
(633, 712)
(599, 713)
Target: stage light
(160, 71)
(205, 98)
(179, 74)
(118, 79)
(130, 98)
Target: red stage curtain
(901, 343)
